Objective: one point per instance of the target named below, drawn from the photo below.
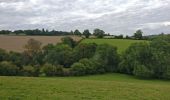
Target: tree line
(98, 33)
(71, 58)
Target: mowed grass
(97, 87)
(121, 44)
(16, 43)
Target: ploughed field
(121, 44)
(95, 87)
(16, 43)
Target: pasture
(121, 44)
(16, 43)
(96, 87)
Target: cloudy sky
(113, 16)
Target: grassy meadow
(121, 44)
(97, 87)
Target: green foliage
(78, 69)
(142, 59)
(28, 71)
(86, 33)
(84, 50)
(119, 36)
(15, 58)
(107, 55)
(32, 47)
(49, 70)
(90, 67)
(59, 70)
(8, 69)
(143, 71)
(69, 41)
(148, 59)
(32, 54)
(59, 55)
(3, 55)
(99, 33)
(138, 34)
(137, 53)
(77, 32)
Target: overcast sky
(113, 16)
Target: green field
(121, 44)
(97, 87)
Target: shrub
(90, 67)
(8, 69)
(166, 74)
(78, 69)
(69, 41)
(142, 71)
(66, 72)
(3, 55)
(137, 53)
(60, 54)
(28, 71)
(84, 50)
(108, 57)
(48, 70)
(59, 70)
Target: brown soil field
(16, 43)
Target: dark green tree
(108, 57)
(86, 33)
(77, 32)
(32, 54)
(138, 34)
(60, 54)
(99, 33)
(84, 50)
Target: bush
(15, 58)
(166, 74)
(48, 70)
(78, 69)
(8, 69)
(3, 55)
(142, 71)
(59, 70)
(84, 50)
(28, 71)
(90, 67)
(60, 54)
(66, 72)
(108, 57)
(69, 41)
(148, 59)
(137, 53)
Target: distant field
(121, 44)
(16, 43)
(96, 87)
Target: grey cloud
(113, 16)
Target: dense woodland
(71, 58)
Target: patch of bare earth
(16, 43)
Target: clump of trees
(148, 60)
(62, 59)
(144, 60)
